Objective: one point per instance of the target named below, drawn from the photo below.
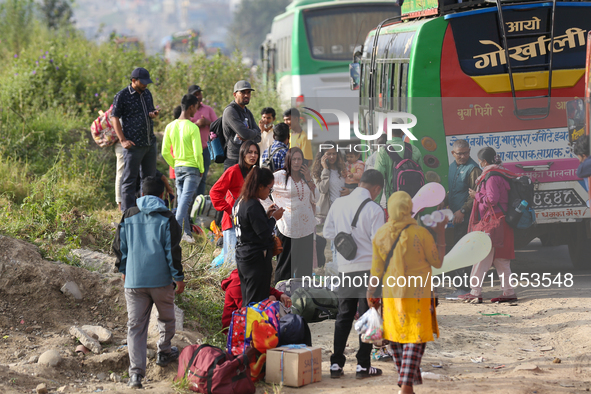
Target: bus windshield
(333, 32)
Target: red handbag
(491, 224)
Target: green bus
(494, 74)
(308, 51)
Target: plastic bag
(370, 326)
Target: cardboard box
(300, 365)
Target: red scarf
(495, 168)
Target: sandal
(504, 298)
(470, 298)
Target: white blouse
(298, 220)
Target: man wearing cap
(202, 118)
(239, 124)
(132, 114)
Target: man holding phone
(132, 114)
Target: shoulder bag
(344, 242)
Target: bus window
(365, 87)
(403, 87)
(395, 86)
(378, 83)
(384, 93)
(333, 32)
(386, 86)
(288, 42)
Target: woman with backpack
(294, 191)
(403, 253)
(225, 191)
(254, 235)
(491, 200)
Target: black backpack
(520, 188)
(268, 162)
(407, 175)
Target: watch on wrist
(463, 210)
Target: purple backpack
(407, 175)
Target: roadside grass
(203, 299)
(57, 188)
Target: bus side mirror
(575, 117)
(354, 73)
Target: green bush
(58, 185)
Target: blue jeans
(206, 163)
(138, 159)
(230, 246)
(187, 180)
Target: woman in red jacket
(226, 190)
(231, 285)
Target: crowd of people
(274, 188)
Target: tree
(252, 22)
(16, 22)
(56, 13)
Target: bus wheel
(547, 240)
(579, 248)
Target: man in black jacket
(238, 123)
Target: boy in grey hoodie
(149, 257)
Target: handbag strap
(354, 223)
(391, 253)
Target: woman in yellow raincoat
(408, 306)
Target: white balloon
(471, 249)
(430, 195)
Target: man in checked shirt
(132, 114)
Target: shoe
(363, 373)
(456, 294)
(380, 354)
(163, 359)
(470, 298)
(188, 239)
(135, 381)
(500, 299)
(336, 371)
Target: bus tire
(579, 247)
(547, 240)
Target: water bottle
(522, 207)
(514, 214)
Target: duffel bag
(210, 370)
(315, 305)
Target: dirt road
(547, 323)
(516, 352)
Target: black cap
(194, 89)
(142, 74)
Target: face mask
(481, 166)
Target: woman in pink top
(492, 192)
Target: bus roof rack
(413, 9)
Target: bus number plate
(564, 198)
